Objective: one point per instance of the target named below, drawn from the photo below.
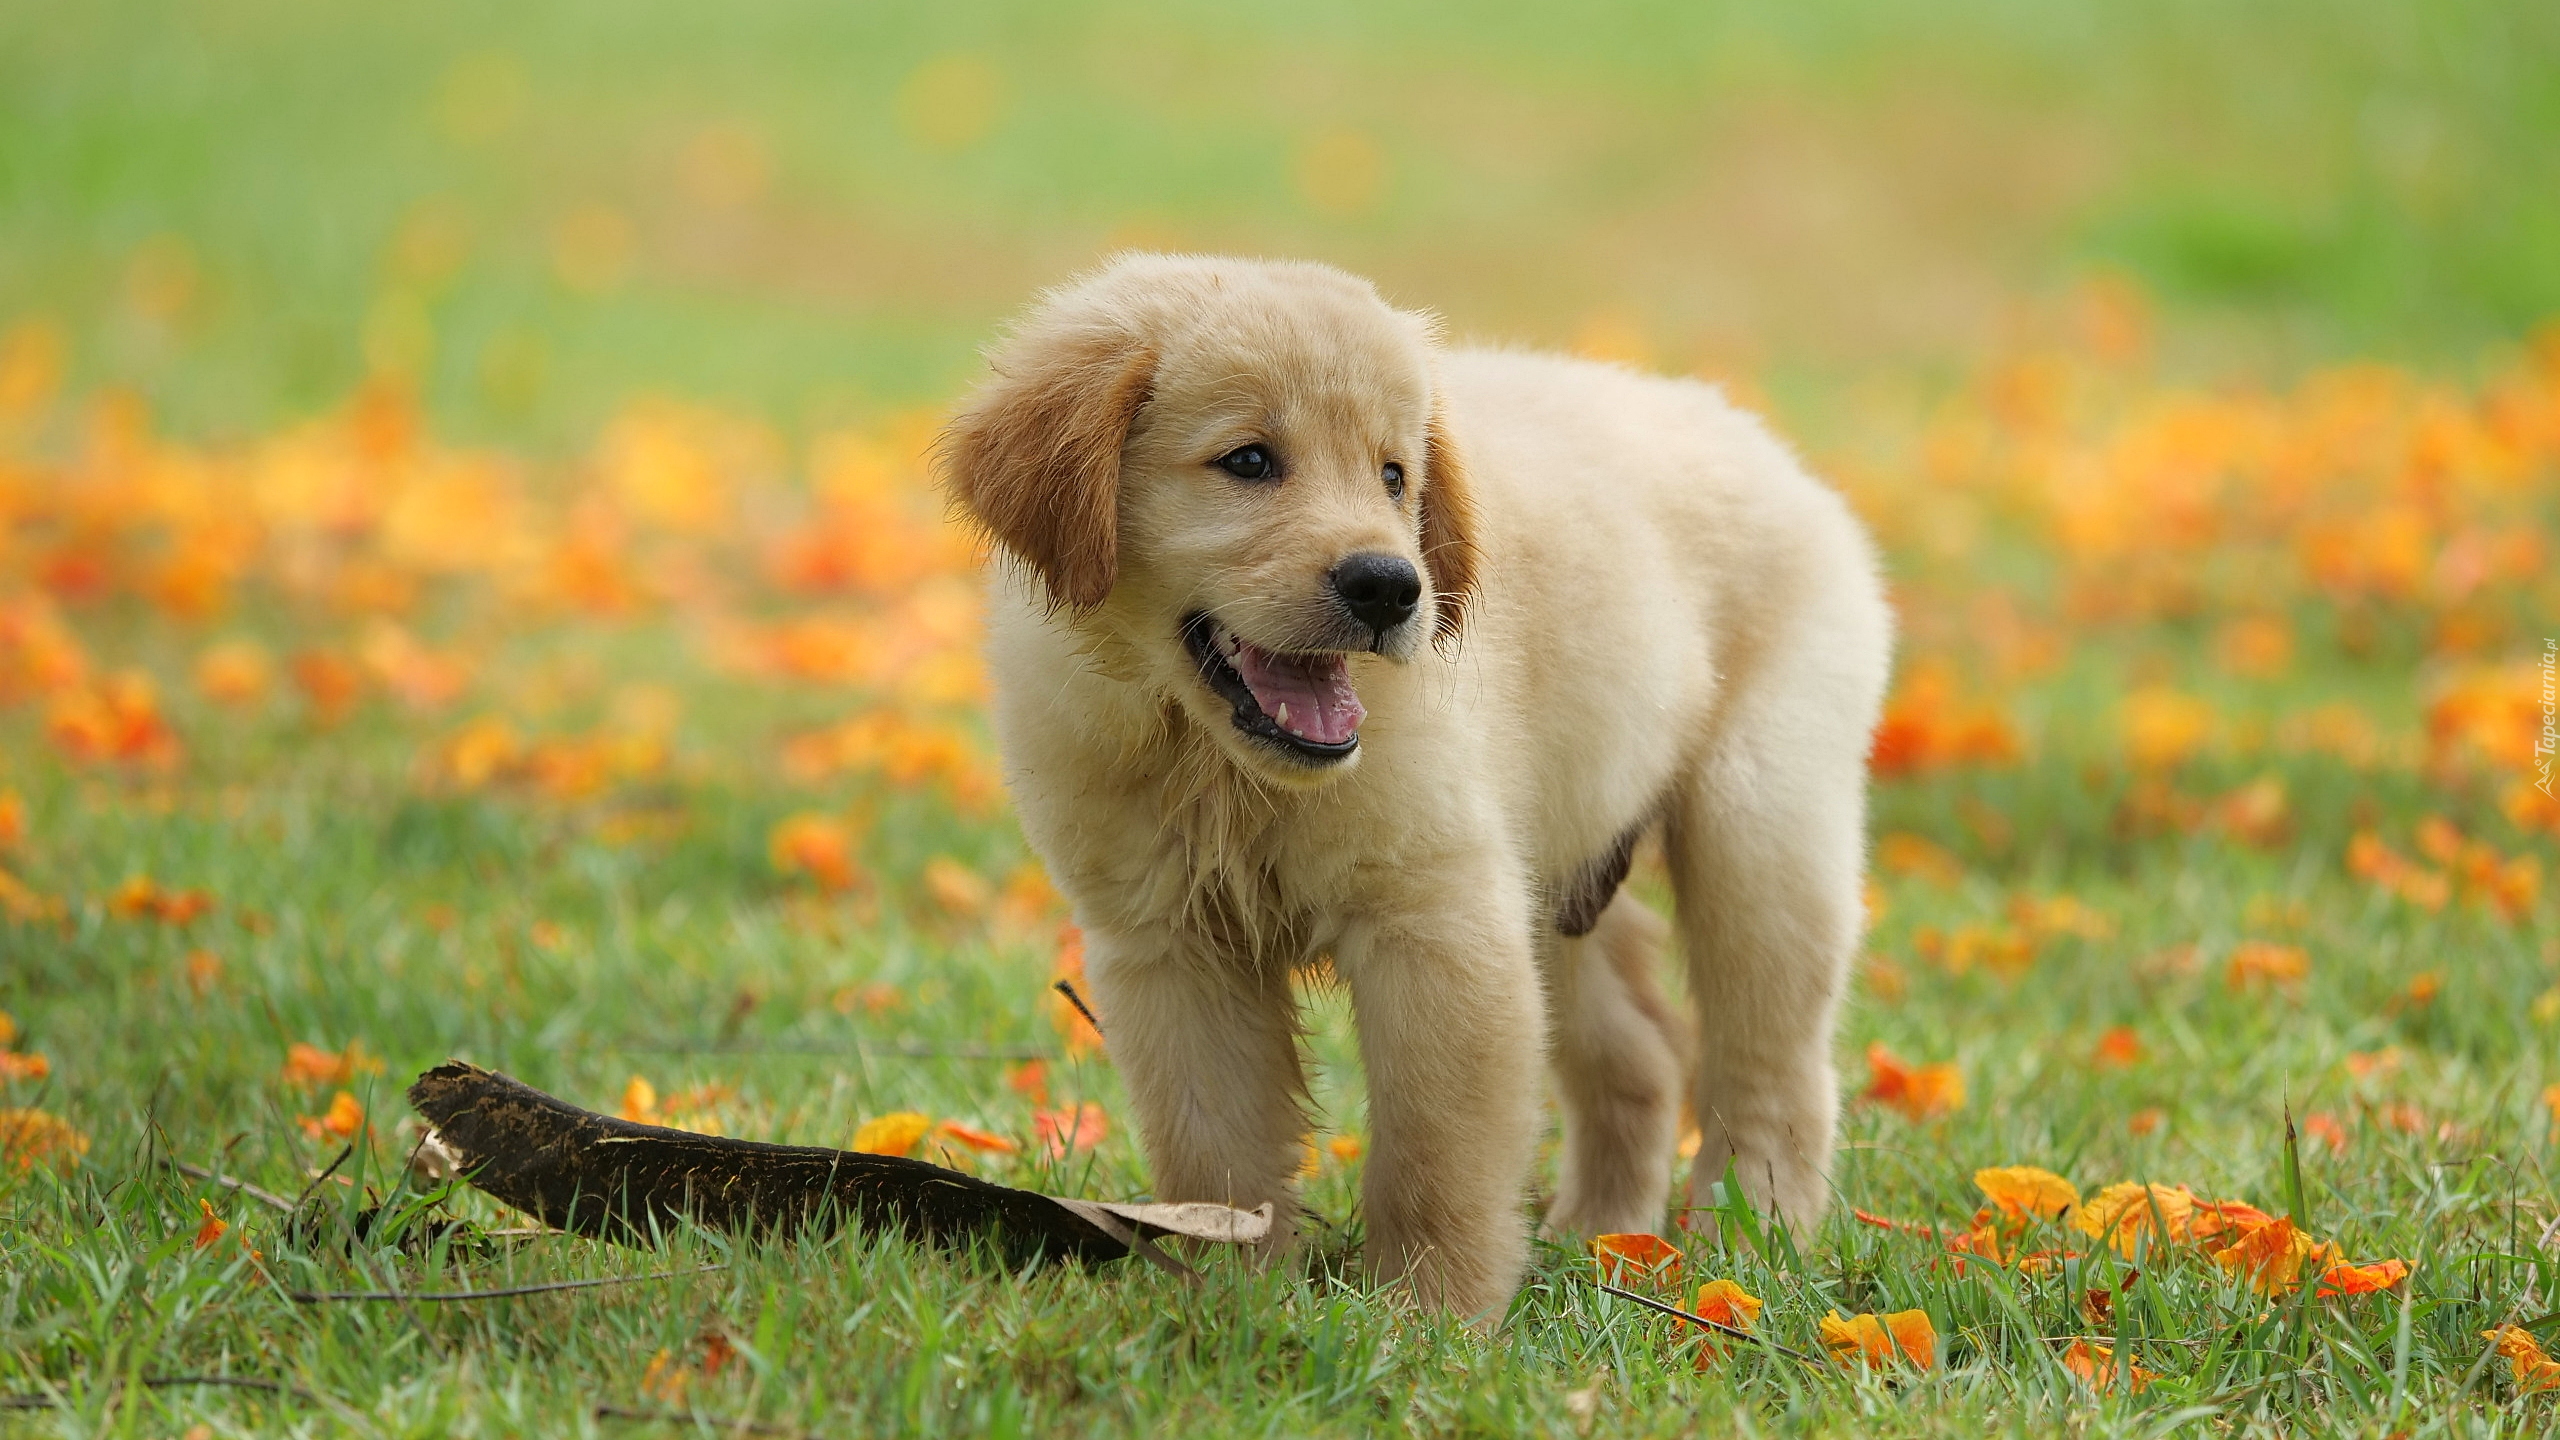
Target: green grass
(685, 960)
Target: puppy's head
(1238, 471)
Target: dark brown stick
(612, 1179)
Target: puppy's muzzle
(1380, 591)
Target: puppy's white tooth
(1283, 716)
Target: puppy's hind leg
(1765, 844)
(1620, 1053)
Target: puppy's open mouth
(1302, 703)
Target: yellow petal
(892, 1134)
(2024, 1190)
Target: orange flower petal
(2024, 1192)
(983, 1141)
(213, 1227)
(1877, 1339)
(2095, 1365)
(1645, 1256)
(1062, 1132)
(2363, 1279)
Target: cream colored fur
(1673, 627)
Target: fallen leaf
(611, 1179)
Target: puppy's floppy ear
(1035, 459)
(1448, 527)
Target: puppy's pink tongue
(1309, 695)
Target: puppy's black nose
(1380, 591)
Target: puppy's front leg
(1208, 1050)
(1451, 1035)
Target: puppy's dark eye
(1249, 462)
(1395, 480)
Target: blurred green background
(811, 209)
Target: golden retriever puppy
(1322, 642)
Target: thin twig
(268, 1198)
(1069, 990)
(686, 1417)
(1650, 1303)
(168, 1382)
(322, 1177)
(317, 1297)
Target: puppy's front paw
(1468, 1267)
